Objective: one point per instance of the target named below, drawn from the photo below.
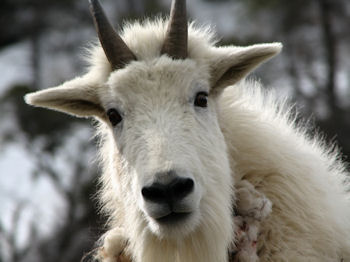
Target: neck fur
(206, 244)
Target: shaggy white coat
(244, 134)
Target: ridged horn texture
(175, 43)
(117, 52)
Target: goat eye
(201, 99)
(114, 117)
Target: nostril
(153, 193)
(169, 193)
(181, 187)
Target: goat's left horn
(117, 52)
(175, 43)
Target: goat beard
(252, 207)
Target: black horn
(117, 52)
(175, 43)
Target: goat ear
(231, 64)
(77, 97)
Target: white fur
(305, 182)
(243, 134)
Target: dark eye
(201, 99)
(114, 117)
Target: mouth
(173, 217)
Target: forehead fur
(159, 77)
(162, 70)
(145, 39)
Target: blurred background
(47, 160)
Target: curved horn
(117, 52)
(175, 43)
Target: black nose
(169, 193)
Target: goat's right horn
(117, 52)
(175, 43)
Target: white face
(171, 148)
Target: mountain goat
(181, 129)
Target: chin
(174, 225)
